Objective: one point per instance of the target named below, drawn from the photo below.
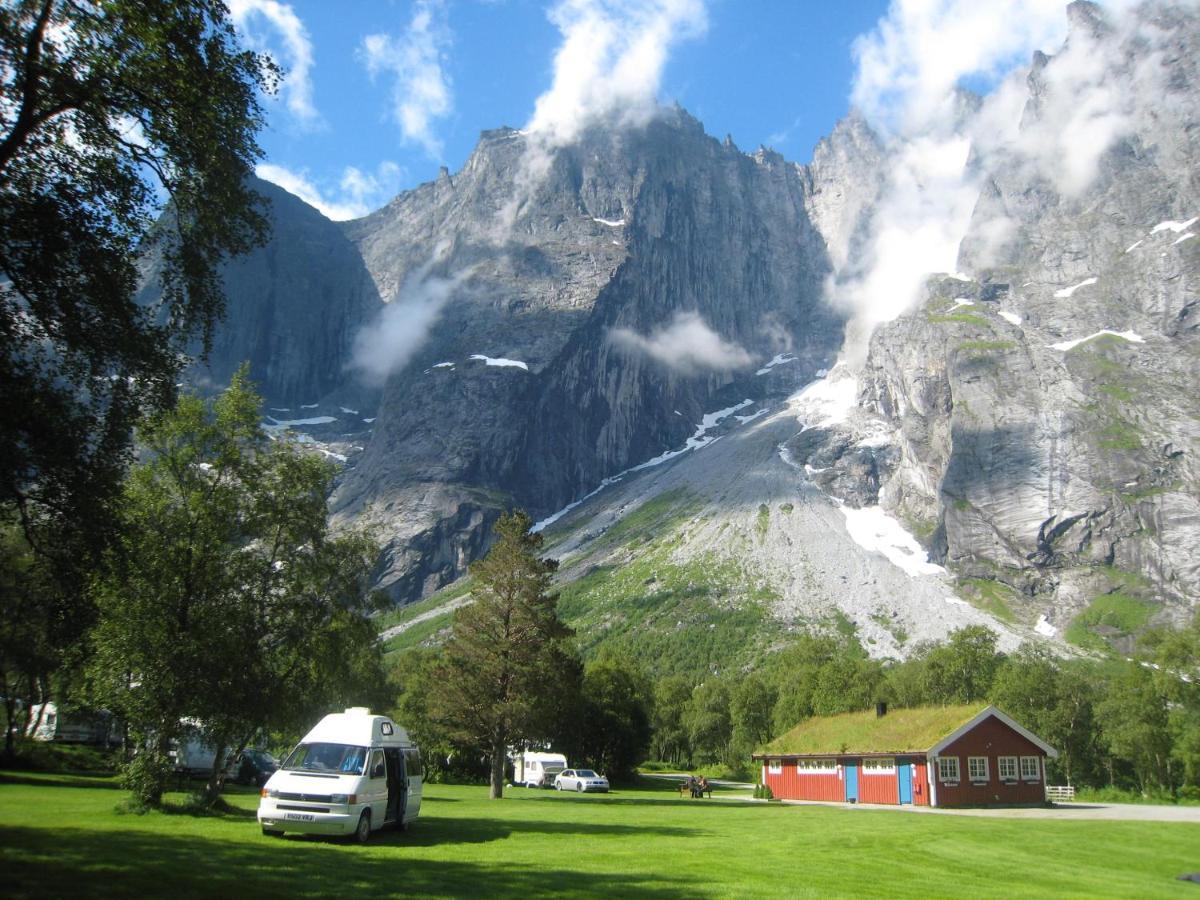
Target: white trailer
(47, 722)
(537, 769)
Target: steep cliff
(293, 308)
(1046, 414)
(608, 276)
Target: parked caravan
(192, 754)
(535, 769)
(47, 722)
(352, 774)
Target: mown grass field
(62, 836)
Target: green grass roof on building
(899, 731)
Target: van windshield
(338, 759)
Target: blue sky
(775, 72)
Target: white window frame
(774, 766)
(1031, 768)
(943, 767)
(816, 767)
(1009, 763)
(974, 765)
(880, 765)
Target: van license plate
(300, 817)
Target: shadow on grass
(444, 830)
(45, 863)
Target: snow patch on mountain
(1131, 336)
(697, 441)
(1064, 293)
(874, 530)
(291, 423)
(500, 361)
(1011, 318)
(1175, 226)
(778, 360)
(826, 401)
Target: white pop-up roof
(357, 727)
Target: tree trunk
(498, 757)
(216, 780)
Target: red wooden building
(970, 755)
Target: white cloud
(910, 65)
(911, 69)
(610, 61)
(356, 194)
(687, 345)
(421, 92)
(608, 67)
(386, 345)
(295, 55)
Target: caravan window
(338, 759)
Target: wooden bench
(686, 791)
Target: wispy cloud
(611, 60)
(286, 40)
(687, 344)
(388, 343)
(354, 195)
(910, 66)
(608, 67)
(421, 92)
(908, 85)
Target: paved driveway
(1127, 812)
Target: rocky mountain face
(628, 232)
(1043, 418)
(548, 317)
(549, 321)
(293, 308)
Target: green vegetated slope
(643, 588)
(62, 837)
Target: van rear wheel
(363, 832)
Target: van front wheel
(363, 831)
(272, 832)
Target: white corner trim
(983, 714)
(931, 778)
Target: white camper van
(352, 774)
(534, 769)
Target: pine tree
(508, 668)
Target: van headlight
(270, 792)
(350, 799)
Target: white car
(580, 780)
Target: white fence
(1056, 793)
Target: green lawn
(61, 836)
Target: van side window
(377, 769)
(412, 760)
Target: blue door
(852, 782)
(904, 771)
